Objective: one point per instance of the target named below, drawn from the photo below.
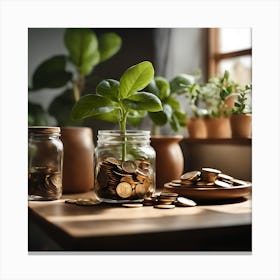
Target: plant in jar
(124, 171)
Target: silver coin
(183, 201)
(129, 166)
(132, 205)
(222, 184)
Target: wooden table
(219, 227)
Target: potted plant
(124, 160)
(169, 153)
(71, 74)
(241, 118)
(215, 95)
(195, 124)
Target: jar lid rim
(44, 129)
(128, 132)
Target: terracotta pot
(78, 166)
(218, 127)
(230, 102)
(196, 128)
(169, 159)
(241, 126)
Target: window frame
(215, 56)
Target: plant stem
(123, 133)
(155, 129)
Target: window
(230, 49)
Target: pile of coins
(124, 180)
(164, 200)
(44, 182)
(207, 177)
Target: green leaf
(82, 45)
(181, 117)
(51, 73)
(162, 117)
(163, 86)
(143, 101)
(173, 102)
(109, 88)
(110, 116)
(36, 114)
(109, 45)
(60, 108)
(174, 123)
(152, 88)
(179, 83)
(135, 78)
(135, 117)
(91, 105)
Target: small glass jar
(45, 157)
(125, 166)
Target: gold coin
(222, 184)
(113, 160)
(168, 194)
(140, 189)
(165, 201)
(128, 180)
(176, 181)
(175, 185)
(148, 201)
(192, 175)
(132, 205)
(183, 201)
(87, 202)
(129, 166)
(124, 189)
(187, 183)
(164, 206)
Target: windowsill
(228, 141)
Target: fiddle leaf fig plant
(70, 72)
(115, 100)
(240, 106)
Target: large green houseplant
(71, 72)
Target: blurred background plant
(71, 73)
(168, 92)
(240, 105)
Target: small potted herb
(216, 95)
(124, 160)
(169, 153)
(241, 118)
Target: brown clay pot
(241, 125)
(169, 159)
(196, 128)
(218, 127)
(78, 159)
(230, 102)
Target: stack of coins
(164, 201)
(131, 179)
(205, 178)
(45, 182)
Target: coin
(168, 194)
(191, 176)
(140, 190)
(164, 206)
(225, 177)
(187, 183)
(211, 170)
(132, 205)
(124, 189)
(129, 166)
(174, 184)
(113, 160)
(87, 202)
(128, 180)
(70, 201)
(222, 184)
(183, 201)
(148, 201)
(165, 201)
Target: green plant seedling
(115, 100)
(240, 106)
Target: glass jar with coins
(45, 157)
(125, 166)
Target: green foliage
(240, 106)
(85, 52)
(36, 115)
(171, 113)
(116, 101)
